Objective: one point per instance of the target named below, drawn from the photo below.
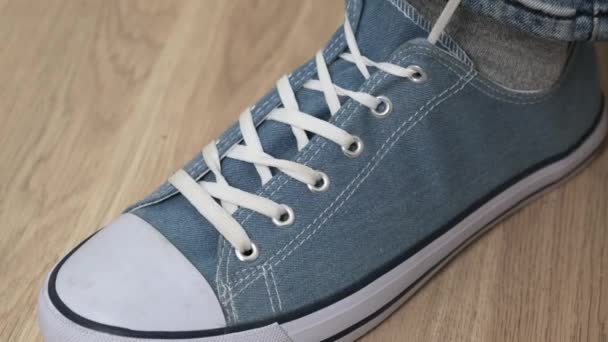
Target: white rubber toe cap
(130, 276)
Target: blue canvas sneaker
(334, 198)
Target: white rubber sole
(360, 312)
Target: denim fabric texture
(567, 20)
(448, 144)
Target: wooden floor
(100, 100)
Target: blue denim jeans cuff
(566, 20)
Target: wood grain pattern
(100, 100)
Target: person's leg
(505, 54)
(565, 20)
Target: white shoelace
(203, 195)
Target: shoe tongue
(383, 26)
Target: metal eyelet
(419, 75)
(286, 219)
(321, 185)
(354, 149)
(249, 255)
(384, 109)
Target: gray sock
(510, 57)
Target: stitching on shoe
(235, 315)
(503, 95)
(225, 296)
(231, 297)
(502, 99)
(265, 274)
(227, 308)
(276, 288)
(398, 133)
(220, 287)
